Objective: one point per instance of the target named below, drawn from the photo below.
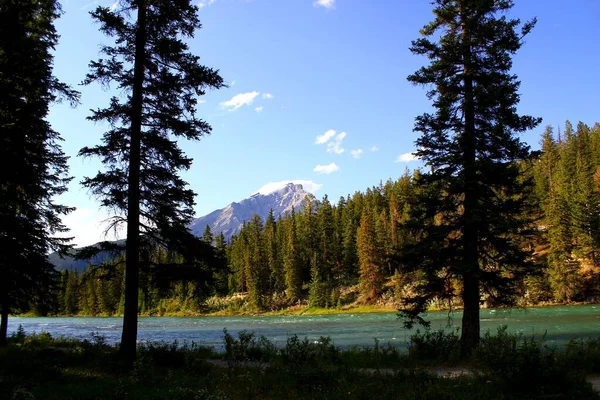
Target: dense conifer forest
(333, 254)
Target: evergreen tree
(545, 170)
(71, 295)
(327, 241)
(338, 267)
(317, 296)
(349, 253)
(28, 144)
(470, 145)
(238, 259)
(308, 236)
(562, 268)
(291, 263)
(370, 258)
(257, 267)
(277, 280)
(585, 202)
(64, 279)
(221, 278)
(150, 63)
(207, 235)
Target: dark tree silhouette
(471, 204)
(159, 82)
(37, 165)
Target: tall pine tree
(470, 145)
(28, 144)
(370, 256)
(159, 82)
(291, 262)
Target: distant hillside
(70, 263)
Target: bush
(247, 347)
(312, 364)
(583, 355)
(301, 353)
(19, 336)
(162, 354)
(436, 345)
(526, 365)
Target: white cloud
(406, 157)
(374, 148)
(201, 101)
(326, 169)
(324, 138)
(267, 96)
(114, 5)
(232, 84)
(239, 100)
(271, 187)
(330, 4)
(335, 145)
(357, 153)
(204, 3)
(258, 109)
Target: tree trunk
(469, 338)
(470, 239)
(132, 250)
(3, 322)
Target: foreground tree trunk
(470, 331)
(132, 250)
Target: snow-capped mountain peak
(229, 219)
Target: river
(346, 330)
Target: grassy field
(504, 367)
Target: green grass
(42, 367)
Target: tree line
(311, 255)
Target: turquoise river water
(559, 323)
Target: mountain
(229, 220)
(69, 262)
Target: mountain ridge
(227, 220)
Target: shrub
(300, 353)
(583, 355)
(435, 345)
(162, 354)
(313, 364)
(19, 336)
(526, 365)
(247, 347)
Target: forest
(310, 258)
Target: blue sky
(302, 71)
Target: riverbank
(294, 311)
